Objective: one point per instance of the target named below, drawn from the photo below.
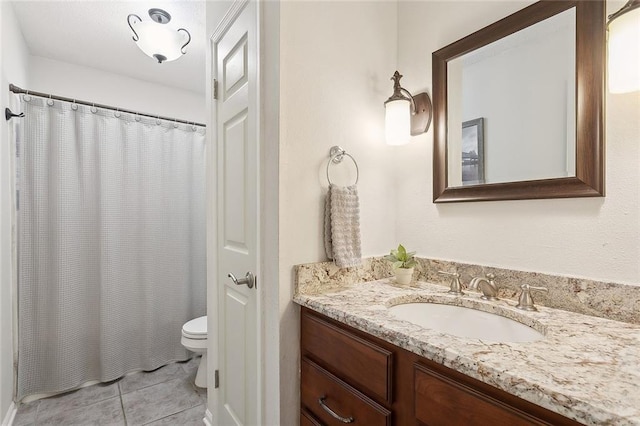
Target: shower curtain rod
(15, 89)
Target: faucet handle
(525, 302)
(456, 285)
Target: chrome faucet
(486, 285)
(456, 285)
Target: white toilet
(194, 338)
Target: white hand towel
(342, 226)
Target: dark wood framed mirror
(583, 139)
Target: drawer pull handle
(335, 415)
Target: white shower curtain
(111, 243)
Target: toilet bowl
(194, 338)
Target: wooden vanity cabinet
(356, 364)
(364, 380)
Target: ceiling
(96, 34)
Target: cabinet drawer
(339, 397)
(442, 401)
(307, 419)
(359, 362)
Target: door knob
(249, 280)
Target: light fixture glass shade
(159, 41)
(397, 122)
(624, 52)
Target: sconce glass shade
(406, 115)
(624, 49)
(397, 122)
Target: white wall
(14, 59)
(94, 85)
(336, 61)
(270, 214)
(596, 238)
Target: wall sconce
(624, 48)
(405, 115)
(157, 40)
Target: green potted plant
(403, 263)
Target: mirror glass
(511, 106)
(518, 107)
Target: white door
(234, 65)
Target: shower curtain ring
(93, 108)
(117, 113)
(158, 120)
(194, 127)
(175, 123)
(74, 105)
(50, 101)
(26, 97)
(137, 117)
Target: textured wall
(94, 85)
(336, 61)
(14, 60)
(596, 238)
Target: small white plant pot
(403, 275)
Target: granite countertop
(586, 368)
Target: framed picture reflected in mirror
(473, 152)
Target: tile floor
(166, 396)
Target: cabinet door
(441, 401)
(334, 402)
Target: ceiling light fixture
(156, 39)
(624, 48)
(405, 115)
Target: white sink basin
(465, 322)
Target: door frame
(267, 107)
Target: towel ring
(336, 155)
